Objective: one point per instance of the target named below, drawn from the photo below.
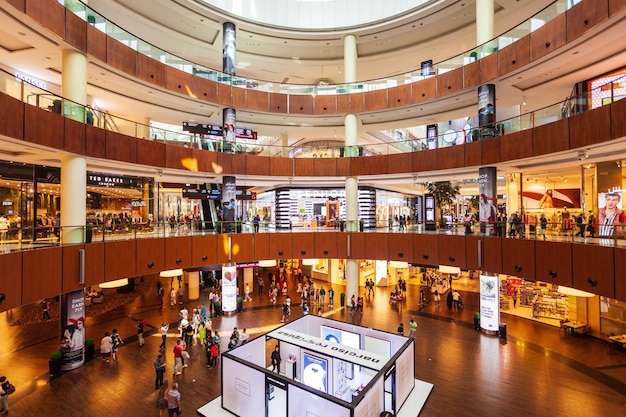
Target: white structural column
(484, 21)
(74, 84)
(284, 140)
(352, 183)
(193, 284)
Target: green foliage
(474, 202)
(445, 193)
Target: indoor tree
(445, 193)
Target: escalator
(209, 211)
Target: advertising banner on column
(229, 288)
(228, 49)
(431, 136)
(488, 201)
(72, 319)
(487, 109)
(229, 195)
(490, 302)
(610, 204)
(230, 131)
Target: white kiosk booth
(328, 368)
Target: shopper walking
(159, 368)
(140, 325)
(455, 299)
(117, 342)
(173, 401)
(331, 297)
(276, 359)
(106, 344)
(412, 328)
(5, 390)
(178, 353)
(164, 330)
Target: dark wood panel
(399, 163)
(224, 163)
(425, 160)
(584, 16)
(121, 56)
(95, 142)
(620, 276)
(304, 167)
(178, 252)
(326, 245)
(618, 115)
(471, 251)
(356, 103)
(490, 151)
(119, 259)
(120, 147)
(452, 251)
(492, 254)
(150, 257)
(370, 165)
(205, 89)
(553, 262)
(548, 38)
(344, 166)
(239, 164)
(94, 263)
(239, 97)
(473, 153)
(204, 250)
(594, 269)
(517, 145)
(489, 68)
(11, 117)
(49, 13)
(258, 165)
(325, 104)
(451, 157)
(11, 280)
(262, 246)
(518, 258)
(515, 55)
(48, 131)
(325, 167)
(282, 167)
(356, 243)
(300, 104)
(343, 103)
(400, 246)
(375, 100)
(178, 81)
(471, 75)
(376, 246)
(424, 90)
(450, 82)
(550, 138)
(281, 246)
(342, 245)
(74, 136)
(18, 4)
(151, 70)
(278, 103)
(224, 94)
(150, 153)
(75, 30)
(258, 100)
(399, 96)
(206, 161)
(96, 43)
(240, 244)
(38, 284)
(590, 127)
(304, 244)
(425, 249)
(70, 268)
(615, 6)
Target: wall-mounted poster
(538, 197)
(610, 213)
(72, 344)
(314, 370)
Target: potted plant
(90, 348)
(218, 308)
(55, 364)
(239, 304)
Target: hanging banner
(487, 110)
(488, 201)
(490, 302)
(228, 49)
(229, 288)
(72, 321)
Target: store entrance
(390, 390)
(275, 398)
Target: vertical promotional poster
(228, 49)
(487, 109)
(610, 213)
(229, 288)
(229, 194)
(431, 136)
(314, 372)
(72, 320)
(489, 302)
(488, 201)
(229, 130)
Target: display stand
(290, 368)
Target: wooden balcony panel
(370, 165)
(150, 256)
(471, 251)
(325, 104)
(517, 145)
(400, 247)
(452, 251)
(239, 97)
(326, 245)
(37, 285)
(303, 244)
(342, 245)
(151, 70)
(515, 55)
(121, 56)
(282, 167)
(204, 250)
(239, 164)
(278, 103)
(205, 89)
(551, 138)
(151, 153)
(74, 137)
(450, 82)
(473, 153)
(120, 147)
(616, 6)
(492, 254)
(518, 258)
(48, 129)
(620, 267)
(471, 75)
(12, 117)
(205, 161)
(96, 44)
(119, 259)
(281, 246)
(94, 263)
(356, 103)
(489, 68)
(357, 246)
(548, 38)
(325, 167)
(178, 252)
(451, 157)
(49, 13)
(399, 163)
(241, 247)
(584, 16)
(594, 269)
(11, 280)
(178, 81)
(399, 96)
(490, 151)
(424, 161)
(376, 246)
(590, 127)
(262, 246)
(224, 164)
(258, 100)
(375, 100)
(344, 166)
(300, 104)
(553, 262)
(258, 165)
(618, 115)
(343, 103)
(18, 4)
(224, 94)
(75, 31)
(177, 157)
(304, 167)
(424, 90)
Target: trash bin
(477, 320)
(342, 299)
(502, 331)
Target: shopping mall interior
(445, 147)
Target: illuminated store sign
(104, 180)
(30, 80)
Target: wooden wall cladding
(300, 104)
(94, 263)
(344, 166)
(18, 4)
(303, 244)
(451, 157)
(70, 268)
(399, 163)
(75, 31)
(38, 283)
(452, 251)
(553, 262)
(489, 68)
(548, 38)
(240, 247)
(356, 102)
(371, 165)
(375, 100)
(400, 247)
(517, 145)
(11, 117)
(620, 275)
(425, 160)
(95, 142)
(518, 258)
(342, 245)
(615, 6)
(325, 104)
(239, 97)
(399, 96)
(96, 43)
(304, 167)
(590, 127)
(74, 137)
(205, 161)
(618, 115)
(471, 251)
(490, 151)
(326, 245)
(325, 167)
(473, 153)
(515, 56)
(151, 70)
(48, 131)
(178, 81)
(278, 103)
(49, 13)
(450, 82)
(204, 250)
(356, 243)
(239, 164)
(224, 94)
(262, 246)
(120, 147)
(119, 259)
(258, 165)
(281, 246)
(224, 163)
(426, 249)
(282, 167)
(206, 89)
(150, 256)
(178, 252)
(11, 280)
(424, 90)
(550, 138)
(151, 153)
(257, 100)
(121, 56)
(594, 269)
(492, 254)
(584, 16)
(471, 75)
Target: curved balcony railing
(528, 26)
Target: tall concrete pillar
(484, 21)
(73, 198)
(193, 284)
(74, 84)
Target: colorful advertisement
(538, 197)
(229, 48)
(314, 371)
(489, 302)
(229, 288)
(72, 344)
(229, 117)
(487, 110)
(488, 201)
(610, 213)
